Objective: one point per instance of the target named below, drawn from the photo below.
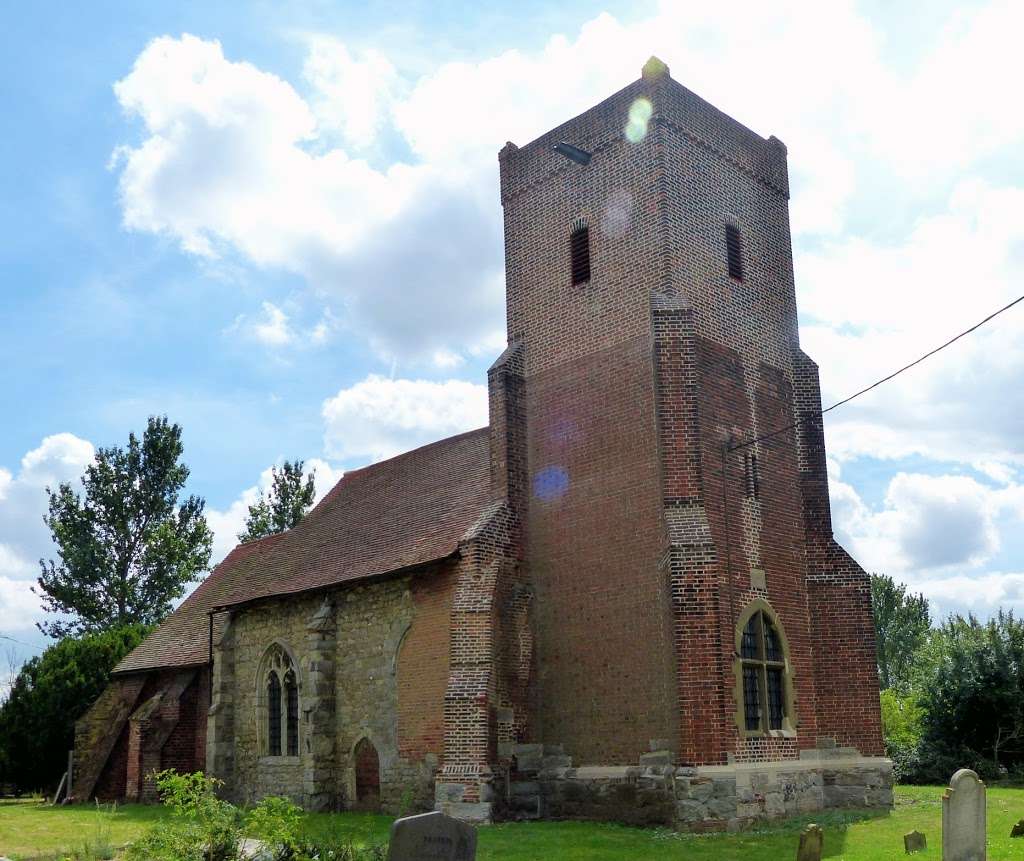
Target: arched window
(579, 252)
(764, 698)
(279, 703)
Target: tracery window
(279, 712)
(765, 703)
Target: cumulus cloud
(24, 538)
(377, 417)
(871, 307)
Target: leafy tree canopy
(286, 502)
(53, 690)
(902, 622)
(127, 548)
(972, 691)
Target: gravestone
(963, 818)
(914, 841)
(431, 837)
(1018, 829)
(811, 841)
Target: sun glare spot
(639, 115)
(550, 483)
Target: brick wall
(642, 553)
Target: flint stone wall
(369, 623)
(710, 798)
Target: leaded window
(763, 663)
(280, 703)
(292, 712)
(273, 715)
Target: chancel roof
(397, 514)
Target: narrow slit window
(273, 715)
(292, 713)
(751, 476)
(734, 251)
(579, 252)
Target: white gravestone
(963, 818)
(431, 837)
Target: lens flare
(617, 214)
(550, 483)
(639, 115)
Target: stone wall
(711, 798)
(356, 680)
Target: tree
(53, 690)
(902, 622)
(972, 692)
(284, 505)
(127, 549)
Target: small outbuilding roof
(397, 514)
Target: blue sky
(278, 223)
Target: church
(621, 599)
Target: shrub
(53, 690)
(204, 827)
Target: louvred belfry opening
(734, 251)
(579, 251)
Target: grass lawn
(29, 829)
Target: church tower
(655, 431)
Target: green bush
(53, 690)
(207, 828)
(204, 827)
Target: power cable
(875, 385)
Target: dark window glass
(734, 251)
(273, 715)
(292, 711)
(749, 648)
(751, 698)
(579, 252)
(775, 706)
(772, 646)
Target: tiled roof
(399, 513)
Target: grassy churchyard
(32, 830)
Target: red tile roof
(399, 513)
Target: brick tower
(688, 597)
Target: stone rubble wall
(711, 798)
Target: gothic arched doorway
(367, 775)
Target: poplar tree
(285, 503)
(126, 547)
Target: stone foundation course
(545, 785)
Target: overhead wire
(874, 385)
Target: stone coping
(786, 765)
(626, 772)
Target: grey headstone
(914, 841)
(963, 818)
(1018, 829)
(811, 842)
(431, 837)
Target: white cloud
(351, 95)
(874, 307)
(928, 525)
(24, 538)
(276, 329)
(378, 418)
